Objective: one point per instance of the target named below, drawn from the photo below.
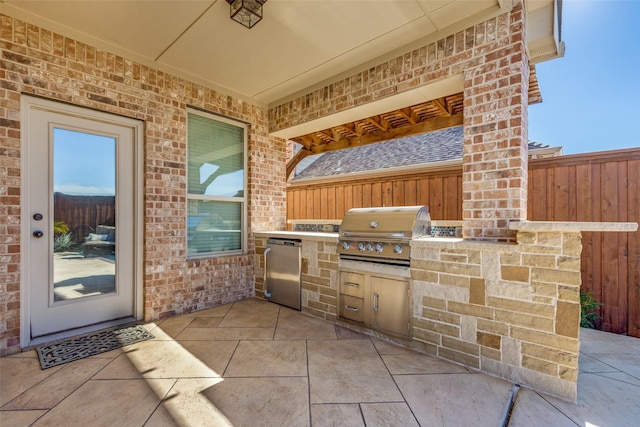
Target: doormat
(90, 345)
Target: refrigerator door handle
(266, 292)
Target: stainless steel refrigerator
(282, 278)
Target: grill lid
(394, 223)
(382, 234)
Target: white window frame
(242, 200)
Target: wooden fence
(440, 190)
(83, 213)
(603, 186)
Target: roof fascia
(544, 32)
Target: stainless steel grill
(382, 234)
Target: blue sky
(83, 163)
(591, 97)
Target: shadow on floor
(256, 363)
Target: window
(216, 185)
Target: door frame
(28, 104)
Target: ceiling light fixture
(246, 12)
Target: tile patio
(255, 363)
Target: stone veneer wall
(493, 60)
(39, 62)
(508, 310)
(319, 272)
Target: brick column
(494, 175)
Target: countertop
(303, 235)
(573, 226)
(451, 241)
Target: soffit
(298, 44)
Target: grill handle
(359, 234)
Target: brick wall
(494, 170)
(492, 57)
(38, 62)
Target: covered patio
(503, 300)
(257, 363)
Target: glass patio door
(81, 230)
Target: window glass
(214, 226)
(216, 158)
(215, 185)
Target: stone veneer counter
(302, 235)
(507, 309)
(511, 310)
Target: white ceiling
(297, 45)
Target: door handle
(376, 298)
(38, 234)
(355, 285)
(265, 291)
(350, 307)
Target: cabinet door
(390, 305)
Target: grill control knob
(369, 247)
(379, 247)
(345, 246)
(361, 247)
(397, 249)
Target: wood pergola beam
(377, 123)
(442, 106)
(408, 115)
(297, 158)
(430, 125)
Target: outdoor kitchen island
(509, 310)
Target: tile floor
(254, 363)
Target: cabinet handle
(355, 285)
(348, 307)
(265, 291)
(376, 297)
